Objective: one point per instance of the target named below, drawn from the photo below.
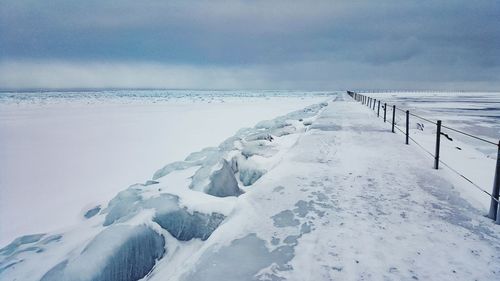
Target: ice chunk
(185, 226)
(128, 203)
(167, 169)
(122, 205)
(92, 212)
(223, 183)
(20, 241)
(119, 252)
(287, 130)
(229, 144)
(254, 148)
(250, 176)
(249, 171)
(276, 123)
(151, 182)
(200, 155)
(260, 136)
(51, 239)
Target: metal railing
(377, 104)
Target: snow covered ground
(63, 152)
(323, 193)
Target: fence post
(407, 126)
(385, 111)
(374, 102)
(494, 210)
(378, 110)
(369, 102)
(393, 117)
(438, 143)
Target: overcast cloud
(447, 45)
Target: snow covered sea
(473, 112)
(64, 151)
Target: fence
(376, 105)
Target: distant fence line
(376, 104)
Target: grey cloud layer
(421, 43)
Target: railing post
(494, 208)
(438, 143)
(385, 111)
(393, 117)
(374, 102)
(378, 110)
(407, 126)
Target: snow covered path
(349, 201)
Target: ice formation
(185, 200)
(92, 212)
(185, 226)
(118, 253)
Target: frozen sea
(63, 152)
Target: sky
(309, 45)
